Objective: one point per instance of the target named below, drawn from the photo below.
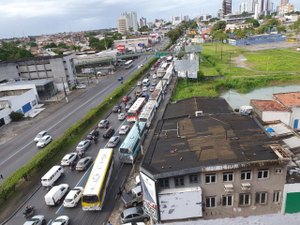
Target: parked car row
(40, 220)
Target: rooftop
(193, 144)
(268, 105)
(290, 99)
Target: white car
(140, 66)
(154, 76)
(40, 135)
(68, 159)
(124, 129)
(121, 116)
(73, 197)
(83, 145)
(44, 141)
(145, 88)
(61, 220)
(36, 220)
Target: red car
(126, 98)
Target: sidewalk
(130, 183)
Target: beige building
(123, 26)
(206, 162)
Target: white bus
(96, 186)
(156, 96)
(168, 76)
(135, 110)
(148, 112)
(128, 64)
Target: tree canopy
(10, 51)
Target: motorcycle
(28, 212)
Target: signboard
(149, 196)
(121, 48)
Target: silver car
(124, 129)
(36, 220)
(61, 220)
(40, 135)
(134, 214)
(83, 163)
(83, 145)
(44, 141)
(113, 141)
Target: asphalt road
(21, 149)
(18, 151)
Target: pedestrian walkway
(131, 181)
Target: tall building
(227, 7)
(285, 7)
(132, 20)
(123, 25)
(143, 22)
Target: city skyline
(18, 18)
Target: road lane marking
(68, 115)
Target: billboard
(149, 196)
(121, 48)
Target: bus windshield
(90, 198)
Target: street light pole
(65, 92)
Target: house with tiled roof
(284, 107)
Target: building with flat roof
(206, 162)
(59, 69)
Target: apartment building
(206, 162)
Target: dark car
(134, 214)
(108, 133)
(116, 108)
(126, 98)
(83, 163)
(94, 133)
(120, 79)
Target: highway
(19, 150)
(22, 148)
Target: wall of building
(8, 71)
(4, 114)
(275, 182)
(291, 198)
(18, 102)
(295, 118)
(272, 116)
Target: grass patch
(261, 69)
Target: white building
(123, 26)
(285, 107)
(132, 20)
(59, 69)
(176, 20)
(16, 98)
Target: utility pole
(65, 92)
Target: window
(278, 170)
(263, 174)
(276, 196)
(179, 181)
(246, 175)
(210, 178)
(261, 198)
(227, 176)
(164, 183)
(210, 202)
(227, 200)
(245, 199)
(193, 178)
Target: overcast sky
(35, 17)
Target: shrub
(16, 116)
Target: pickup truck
(133, 197)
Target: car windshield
(68, 199)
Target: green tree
(11, 51)
(220, 25)
(253, 21)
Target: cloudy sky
(34, 17)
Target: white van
(146, 82)
(51, 176)
(56, 193)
